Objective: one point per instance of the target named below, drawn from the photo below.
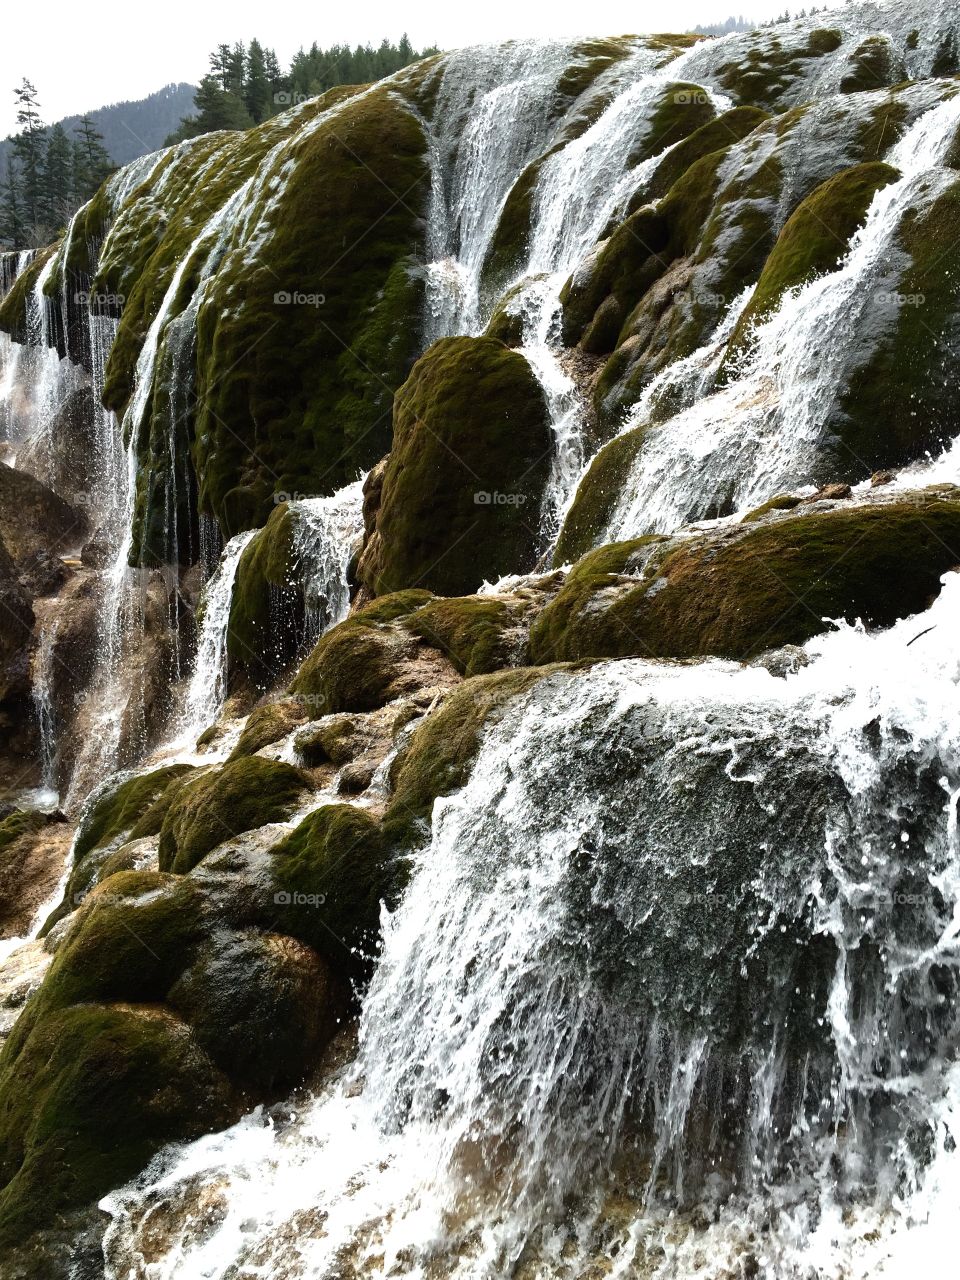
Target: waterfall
(660, 1007)
(42, 692)
(326, 534)
(207, 691)
(758, 435)
(580, 186)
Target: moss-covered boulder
(874, 64)
(130, 808)
(442, 749)
(736, 593)
(242, 795)
(359, 664)
(814, 239)
(465, 480)
(262, 1005)
(33, 849)
(266, 608)
(479, 634)
(330, 875)
(88, 1097)
(597, 496)
(269, 723)
(714, 135)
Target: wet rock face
(37, 527)
(33, 851)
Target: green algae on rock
(240, 796)
(465, 481)
(755, 587)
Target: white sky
(84, 56)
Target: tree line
(245, 84)
(49, 174)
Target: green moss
(715, 135)
(902, 403)
(266, 608)
(478, 634)
(334, 740)
(589, 59)
(825, 40)
(780, 502)
(872, 66)
(470, 424)
(122, 808)
(759, 588)
(263, 1006)
(19, 823)
(13, 308)
(131, 811)
(334, 868)
(883, 128)
(508, 247)
(241, 796)
(814, 239)
(597, 496)
(680, 111)
(946, 63)
(297, 397)
(355, 665)
(268, 724)
(442, 749)
(88, 1098)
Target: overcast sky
(84, 56)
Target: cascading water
(327, 531)
(497, 131)
(629, 1037)
(207, 690)
(758, 435)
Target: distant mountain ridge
(132, 129)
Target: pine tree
(256, 89)
(13, 227)
(57, 180)
(29, 146)
(92, 164)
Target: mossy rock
(242, 795)
(442, 749)
(814, 239)
(356, 665)
(262, 1005)
(873, 65)
(335, 739)
(88, 1097)
(123, 810)
(466, 477)
(268, 724)
(758, 587)
(479, 634)
(883, 128)
(715, 135)
(779, 502)
(329, 876)
(903, 402)
(680, 111)
(132, 810)
(297, 397)
(597, 496)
